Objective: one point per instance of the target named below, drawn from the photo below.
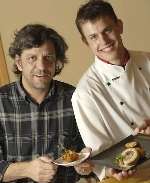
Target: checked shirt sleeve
(3, 166)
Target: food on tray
(70, 155)
(131, 144)
(131, 155)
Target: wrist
(16, 171)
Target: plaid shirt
(29, 130)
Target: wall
(60, 14)
(4, 78)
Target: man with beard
(36, 116)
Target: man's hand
(119, 175)
(86, 167)
(42, 169)
(144, 128)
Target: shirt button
(132, 123)
(121, 103)
(115, 78)
(140, 68)
(108, 83)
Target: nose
(41, 64)
(103, 39)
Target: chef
(112, 99)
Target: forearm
(16, 171)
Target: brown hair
(93, 10)
(34, 35)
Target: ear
(18, 62)
(120, 26)
(59, 65)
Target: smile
(42, 76)
(107, 47)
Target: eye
(93, 37)
(31, 59)
(50, 58)
(108, 30)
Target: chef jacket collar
(110, 71)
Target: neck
(37, 94)
(120, 60)
(123, 57)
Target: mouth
(107, 47)
(42, 76)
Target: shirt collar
(110, 71)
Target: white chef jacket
(110, 101)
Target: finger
(143, 126)
(46, 178)
(147, 130)
(86, 164)
(110, 172)
(48, 166)
(136, 131)
(125, 174)
(142, 131)
(88, 169)
(147, 121)
(86, 150)
(79, 170)
(83, 171)
(46, 159)
(50, 156)
(131, 172)
(55, 167)
(118, 176)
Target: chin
(41, 86)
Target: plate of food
(126, 154)
(71, 158)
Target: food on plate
(70, 155)
(129, 157)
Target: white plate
(82, 157)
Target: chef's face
(103, 36)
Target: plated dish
(128, 153)
(130, 156)
(71, 159)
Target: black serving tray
(108, 157)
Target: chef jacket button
(121, 103)
(108, 83)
